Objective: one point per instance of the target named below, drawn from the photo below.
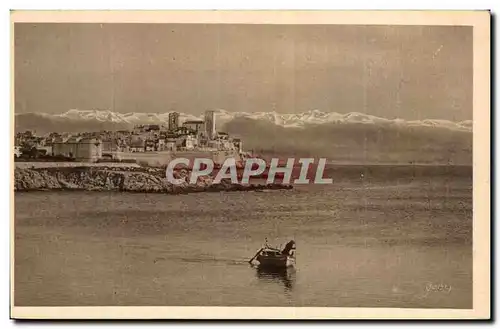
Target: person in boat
(288, 247)
(288, 251)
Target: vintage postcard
(250, 165)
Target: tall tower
(210, 124)
(173, 121)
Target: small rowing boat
(272, 257)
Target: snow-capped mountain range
(280, 119)
(353, 137)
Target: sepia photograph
(292, 165)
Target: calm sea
(404, 242)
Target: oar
(251, 260)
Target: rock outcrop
(146, 180)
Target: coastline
(122, 179)
(128, 177)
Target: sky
(408, 72)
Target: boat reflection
(285, 276)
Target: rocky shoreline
(138, 180)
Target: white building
(161, 144)
(17, 151)
(238, 144)
(186, 142)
